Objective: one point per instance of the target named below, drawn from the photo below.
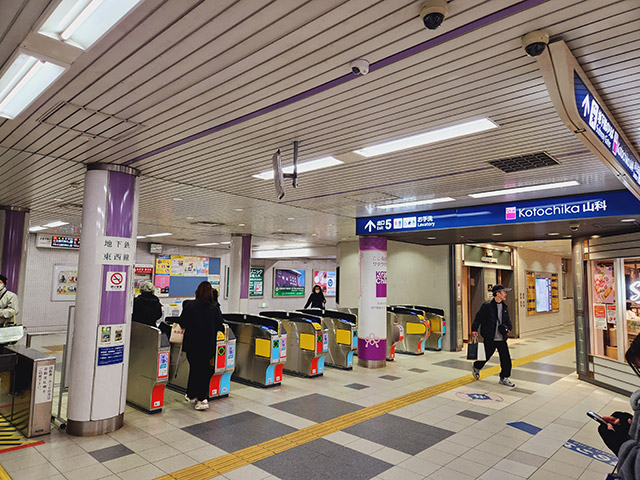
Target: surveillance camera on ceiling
(535, 42)
(574, 226)
(360, 66)
(433, 13)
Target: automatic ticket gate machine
(261, 348)
(148, 367)
(343, 336)
(395, 331)
(307, 342)
(223, 364)
(416, 329)
(438, 328)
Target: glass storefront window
(632, 298)
(603, 311)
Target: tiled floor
(479, 431)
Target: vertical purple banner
(12, 247)
(113, 304)
(245, 266)
(373, 243)
(120, 205)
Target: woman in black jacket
(202, 320)
(316, 299)
(147, 308)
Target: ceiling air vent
(293, 234)
(205, 223)
(72, 206)
(524, 162)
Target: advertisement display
(163, 265)
(611, 315)
(256, 282)
(600, 317)
(288, 282)
(177, 265)
(603, 283)
(326, 280)
(196, 266)
(543, 294)
(65, 282)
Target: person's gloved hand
(616, 432)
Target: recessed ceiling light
(37, 228)
(417, 202)
(431, 238)
(280, 230)
(330, 225)
(241, 225)
(303, 167)
(426, 138)
(239, 209)
(189, 218)
(553, 234)
(225, 243)
(595, 236)
(163, 234)
(177, 199)
(567, 236)
(207, 244)
(58, 199)
(290, 218)
(314, 234)
(497, 234)
(141, 236)
(531, 188)
(625, 220)
(57, 223)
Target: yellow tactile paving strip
(3, 474)
(247, 456)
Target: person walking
(202, 320)
(8, 304)
(494, 323)
(316, 299)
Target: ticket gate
(343, 336)
(223, 364)
(416, 329)
(261, 348)
(307, 342)
(395, 332)
(437, 322)
(148, 367)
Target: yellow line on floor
(247, 456)
(3, 474)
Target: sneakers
(190, 400)
(505, 381)
(202, 405)
(476, 373)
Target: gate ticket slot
(416, 329)
(342, 336)
(307, 342)
(260, 350)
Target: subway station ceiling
(252, 76)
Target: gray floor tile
(418, 370)
(109, 453)
(522, 390)
(472, 414)
(390, 377)
(317, 408)
(548, 367)
(239, 431)
(357, 386)
(322, 459)
(461, 364)
(399, 433)
(534, 377)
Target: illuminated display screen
(65, 242)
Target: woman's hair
(317, 286)
(147, 287)
(204, 293)
(633, 355)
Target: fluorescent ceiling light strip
(57, 223)
(37, 228)
(531, 188)
(446, 133)
(21, 84)
(309, 166)
(206, 244)
(164, 234)
(84, 14)
(417, 202)
(141, 236)
(10, 84)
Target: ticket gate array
(261, 348)
(416, 329)
(148, 367)
(395, 332)
(343, 336)
(307, 342)
(223, 364)
(438, 325)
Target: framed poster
(256, 282)
(326, 280)
(65, 282)
(288, 282)
(603, 283)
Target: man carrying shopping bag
(494, 323)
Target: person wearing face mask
(8, 304)
(316, 299)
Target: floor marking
(525, 427)
(592, 452)
(246, 456)
(3, 474)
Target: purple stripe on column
(370, 350)
(120, 205)
(421, 47)
(245, 266)
(12, 247)
(373, 243)
(113, 305)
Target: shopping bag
(475, 351)
(482, 356)
(177, 334)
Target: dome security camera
(574, 226)
(360, 66)
(535, 42)
(433, 13)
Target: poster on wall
(214, 280)
(177, 265)
(65, 282)
(196, 266)
(611, 315)
(163, 265)
(256, 282)
(600, 317)
(603, 283)
(288, 282)
(326, 280)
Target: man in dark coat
(495, 325)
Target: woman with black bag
(202, 320)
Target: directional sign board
(605, 204)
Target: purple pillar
(15, 222)
(240, 265)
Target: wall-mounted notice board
(180, 275)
